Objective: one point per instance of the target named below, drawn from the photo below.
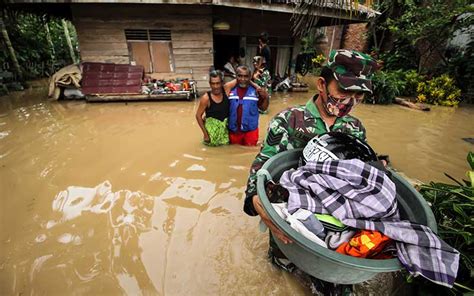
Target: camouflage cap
(352, 69)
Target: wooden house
(183, 38)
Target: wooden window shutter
(161, 56)
(141, 55)
(151, 48)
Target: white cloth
(229, 68)
(296, 224)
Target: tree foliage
(409, 30)
(29, 39)
(417, 35)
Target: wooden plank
(87, 32)
(192, 64)
(188, 23)
(133, 11)
(141, 55)
(110, 52)
(197, 69)
(205, 35)
(194, 57)
(160, 54)
(137, 97)
(178, 51)
(192, 44)
(86, 37)
(108, 59)
(87, 46)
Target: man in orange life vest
(245, 100)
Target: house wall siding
(101, 36)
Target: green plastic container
(326, 264)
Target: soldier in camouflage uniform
(343, 83)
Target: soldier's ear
(321, 84)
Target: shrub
(387, 85)
(316, 64)
(453, 208)
(439, 91)
(412, 79)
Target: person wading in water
(213, 112)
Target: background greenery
(453, 207)
(28, 36)
(415, 36)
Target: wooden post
(11, 51)
(51, 46)
(68, 40)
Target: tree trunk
(68, 40)
(51, 47)
(11, 51)
(408, 104)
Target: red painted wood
(106, 78)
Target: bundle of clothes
(158, 86)
(350, 206)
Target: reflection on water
(106, 248)
(173, 223)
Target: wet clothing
(217, 130)
(244, 138)
(220, 110)
(334, 239)
(216, 121)
(363, 197)
(366, 244)
(243, 115)
(291, 129)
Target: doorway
(224, 47)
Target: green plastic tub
(326, 264)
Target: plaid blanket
(364, 197)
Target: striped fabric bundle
(364, 197)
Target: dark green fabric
(218, 132)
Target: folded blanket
(364, 197)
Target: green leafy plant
(316, 64)
(318, 60)
(440, 90)
(412, 79)
(453, 208)
(387, 85)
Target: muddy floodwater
(115, 198)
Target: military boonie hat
(352, 69)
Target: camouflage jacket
(264, 79)
(291, 129)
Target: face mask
(339, 108)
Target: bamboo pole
(68, 40)
(11, 51)
(51, 46)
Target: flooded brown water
(112, 199)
